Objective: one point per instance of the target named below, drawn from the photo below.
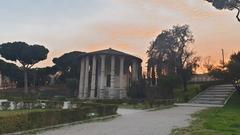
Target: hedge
(43, 118)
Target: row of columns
(84, 75)
(122, 92)
(102, 76)
(93, 79)
(152, 76)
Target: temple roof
(113, 52)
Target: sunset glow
(127, 25)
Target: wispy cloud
(127, 25)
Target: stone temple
(108, 74)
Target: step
(223, 88)
(225, 85)
(212, 96)
(197, 105)
(209, 102)
(211, 99)
(215, 93)
(220, 90)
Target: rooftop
(112, 52)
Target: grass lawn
(215, 121)
(193, 90)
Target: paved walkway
(134, 122)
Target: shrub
(43, 118)
(137, 90)
(72, 85)
(192, 91)
(206, 85)
(5, 106)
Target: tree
(69, 63)
(218, 73)
(40, 76)
(233, 67)
(207, 64)
(227, 4)
(26, 55)
(171, 55)
(12, 71)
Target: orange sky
(126, 25)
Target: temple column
(102, 77)
(111, 92)
(81, 81)
(135, 71)
(121, 75)
(86, 77)
(93, 79)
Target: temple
(108, 74)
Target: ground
(133, 122)
(216, 121)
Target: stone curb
(197, 105)
(34, 131)
(151, 109)
(160, 108)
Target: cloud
(126, 25)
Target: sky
(126, 25)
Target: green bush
(72, 85)
(137, 90)
(206, 85)
(193, 89)
(42, 118)
(5, 105)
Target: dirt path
(134, 122)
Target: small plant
(5, 105)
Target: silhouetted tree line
(230, 72)
(171, 62)
(12, 71)
(28, 55)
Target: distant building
(6, 83)
(198, 78)
(107, 74)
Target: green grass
(193, 90)
(215, 121)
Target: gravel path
(133, 122)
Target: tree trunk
(153, 76)
(185, 86)
(186, 98)
(25, 82)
